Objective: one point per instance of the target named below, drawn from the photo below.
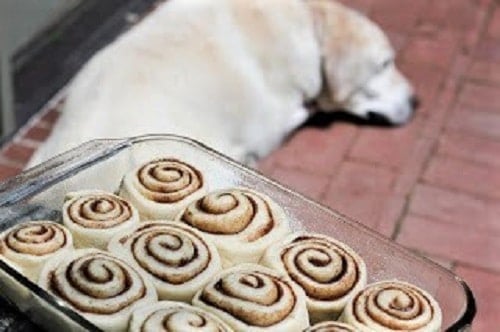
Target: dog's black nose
(378, 118)
(414, 102)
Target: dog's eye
(386, 63)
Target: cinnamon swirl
(250, 297)
(393, 306)
(329, 271)
(242, 223)
(102, 288)
(95, 216)
(28, 246)
(161, 188)
(177, 258)
(170, 316)
(331, 326)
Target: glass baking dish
(38, 194)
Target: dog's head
(358, 67)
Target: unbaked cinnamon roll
(177, 258)
(242, 223)
(250, 297)
(161, 188)
(102, 288)
(28, 246)
(393, 306)
(328, 270)
(95, 216)
(170, 316)
(331, 326)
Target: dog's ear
(353, 49)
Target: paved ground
(434, 185)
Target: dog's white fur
(359, 70)
(233, 74)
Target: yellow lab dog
(234, 74)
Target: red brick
(426, 80)
(462, 210)
(473, 36)
(472, 148)
(485, 71)
(397, 39)
(450, 242)
(308, 184)
(388, 147)
(425, 28)
(18, 152)
(494, 26)
(414, 165)
(361, 178)
(37, 133)
(408, 12)
(457, 14)
(266, 165)
(458, 70)
(488, 49)
(315, 150)
(486, 289)
(484, 124)
(375, 210)
(437, 50)
(393, 211)
(51, 117)
(7, 171)
(464, 176)
(480, 97)
(437, 115)
(484, 3)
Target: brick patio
(433, 185)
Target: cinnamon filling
(162, 251)
(99, 211)
(231, 213)
(91, 283)
(168, 181)
(326, 271)
(37, 239)
(404, 310)
(274, 296)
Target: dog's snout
(414, 102)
